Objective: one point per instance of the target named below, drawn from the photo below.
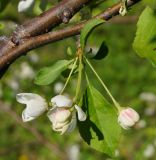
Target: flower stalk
(117, 105)
(67, 81)
(80, 69)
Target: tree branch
(49, 19)
(61, 13)
(37, 41)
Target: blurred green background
(130, 79)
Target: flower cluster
(62, 114)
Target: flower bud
(60, 118)
(35, 105)
(127, 118)
(81, 114)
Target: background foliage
(127, 76)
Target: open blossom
(128, 117)
(63, 114)
(35, 105)
(25, 5)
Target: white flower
(35, 105)
(149, 151)
(127, 118)
(63, 115)
(25, 5)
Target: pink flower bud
(127, 118)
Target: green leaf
(101, 130)
(3, 4)
(145, 41)
(87, 29)
(101, 53)
(49, 74)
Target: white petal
(65, 128)
(36, 109)
(62, 115)
(60, 125)
(124, 119)
(128, 117)
(35, 105)
(124, 126)
(25, 5)
(56, 129)
(136, 116)
(61, 101)
(26, 117)
(51, 114)
(81, 114)
(58, 115)
(72, 124)
(25, 97)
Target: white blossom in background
(149, 151)
(58, 87)
(13, 83)
(128, 118)
(25, 5)
(63, 114)
(141, 124)
(150, 111)
(73, 152)
(35, 105)
(34, 57)
(147, 96)
(26, 71)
